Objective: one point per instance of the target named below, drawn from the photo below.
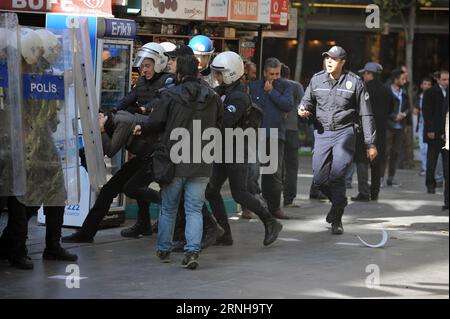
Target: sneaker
(422, 173)
(164, 256)
(137, 231)
(190, 261)
(382, 182)
(337, 228)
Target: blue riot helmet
(203, 49)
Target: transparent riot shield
(12, 165)
(49, 117)
(88, 106)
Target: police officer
(152, 62)
(228, 68)
(203, 50)
(338, 100)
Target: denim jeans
(423, 147)
(194, 198)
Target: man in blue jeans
(182, 108)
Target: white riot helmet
(168, 46)
(230, 64)
(152, 51)
(52, 46)
(31, 45)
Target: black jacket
(404, 109)
(179, 107)
(434, 109)
(339, 104)
(121, 135)
(235, 102)
(382, 104)
(145, 91)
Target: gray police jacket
(339, 104)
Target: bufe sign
(87, 7)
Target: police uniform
(338, 105)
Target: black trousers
(363, 178)
(394, 138)
(333, 154)
(291, 162)
(107, 194)
(236, 175)
(272, 184)
(14, 235)
(434, 149)
(54, 219)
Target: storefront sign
(279, 12)
(174, 9)
(244, 10)
(264, 11)
(86, 7)
(119, 28)
(217, 10)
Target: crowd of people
(357, 120)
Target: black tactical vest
(146, 90)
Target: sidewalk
(306, 261)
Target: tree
(304, 11)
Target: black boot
(21, 261)
(54, 217)
(143, 226)
(211, 230)
(273, 228)
(337, 228)
(226, 239)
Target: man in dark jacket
(396, 126)
(339, 101)
(382, 106)
(291, 160)
(274, 96)
(185, 110)
(228, 69)
(435, 108)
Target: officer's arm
(284, 101)
(111, 145)
(365, 112)
(220, 113)
(309, 100)
(234, 111)
(157, 120)
(128, 101)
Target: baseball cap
(180, 50)
(336, 52)
(372, 67)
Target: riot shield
(12, 166)
(88, 106)
(49, 117)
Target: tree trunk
(300, 50)
(409, 32)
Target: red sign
(279, 12)
(85, 7)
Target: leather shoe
(273, 228)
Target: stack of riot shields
(45, 81)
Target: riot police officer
(228, 69)
(339, 101)
(203, 50)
